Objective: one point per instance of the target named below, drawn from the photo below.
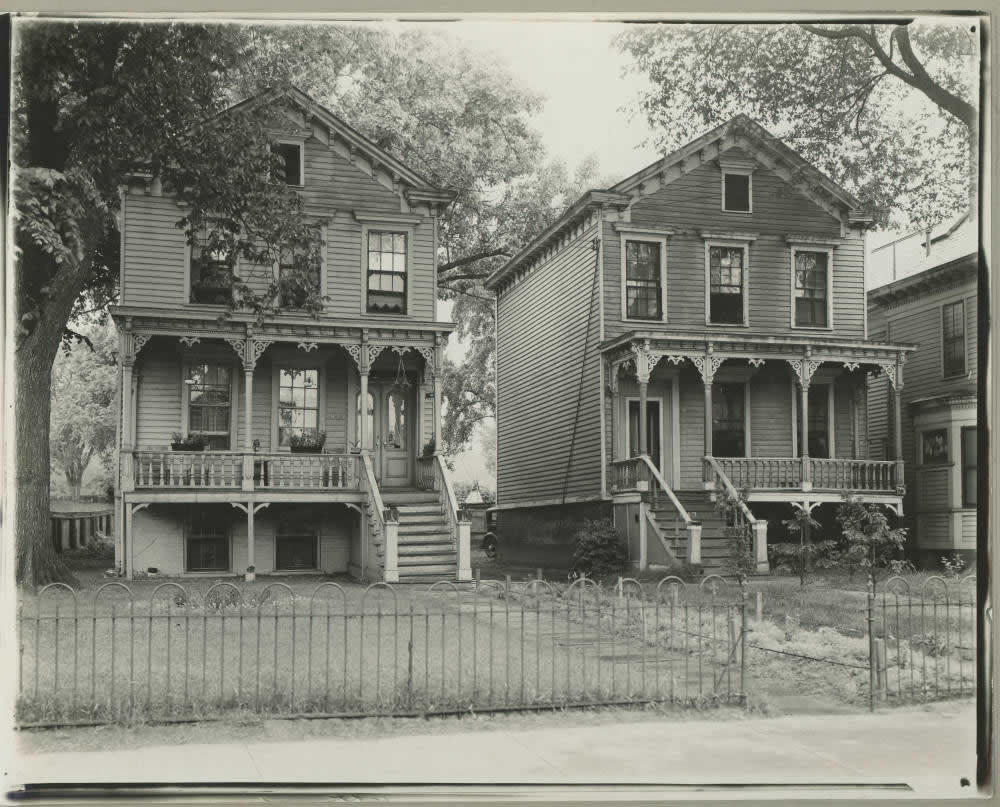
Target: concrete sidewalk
(929, 749)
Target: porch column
(708, 415)
(804, 433)
(248, 430)
(643, 436)
(363, 415)
(127, 480)
(643, 369)
(437, 392)
(250, 536)
(897, 412)
(613, 388)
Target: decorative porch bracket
(249, 350)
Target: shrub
(599, 552)
(741, 559)
(99, 548)
(953, 564)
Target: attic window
(290, 155)
(736, 192)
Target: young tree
(890, 110)
(871, 542)
(83, 394)
(94, 102)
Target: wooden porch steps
(426, 546)
(715, 549)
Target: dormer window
(291, 171)
(736, 192)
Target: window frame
(651, 238)
(323, 229)
(831, 406)
(945, 375)
(948, 455)
(740, 381)
(280, 363)
(628, 399)
(965, 466)
(189, 269)
(395, 224)
(748, 173)
(801, 247)
(301, 144)
(304, 525)
(731, 244)
(234, 388)
(227, 537)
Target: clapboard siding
(771, 422)
(158, 400)
(690, 204)
(156, 262)
(547, 380)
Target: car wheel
(490, 546)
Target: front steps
(715, 544)
(426, 546)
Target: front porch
(317, 423)
(764, 419)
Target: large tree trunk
(37, 561)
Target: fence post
(694, 544)
(390, 558)
(760, 607)
(464, 557)
(881, 669)
(871, 650)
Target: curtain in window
(386, 272)
(726, 284)
(643, 293)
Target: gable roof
(740, 132)
(418, 186)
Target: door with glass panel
(396, 435)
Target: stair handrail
(730, 490)
(666, 489)
(451, 501)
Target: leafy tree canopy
(887, 110)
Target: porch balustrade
(224, 470)
(785, 473)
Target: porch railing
(866, 475)
(221, 470)
(785, 473)
(188, 469)
(383, 531)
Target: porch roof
(750, 345)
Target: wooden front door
(394, 434)
(654, 437)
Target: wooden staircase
(715, 549)
(427, 551)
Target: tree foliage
(871, 542)
(83, 412)
(888, 110)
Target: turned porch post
(804, 433)
(437, 393)
(643, 368)
(897, 417)
(363, 413)
(249, 350)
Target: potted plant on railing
(190, 442)
(251, 574)
(354, 447)
(308, 442)
(430, 447)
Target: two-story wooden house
(701, 323)
(932, 300)
(376, 501)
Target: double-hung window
(811, 289)
(969, 466)
(727, 284)
(386, 271)
(298, 277)
(298, 403)
(209, 403)
(211, 270)
(953, 326)
(290, 161)
(644, 279)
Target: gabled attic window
(736, 192)
(290, 154)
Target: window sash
(736, 193)
(298, 402)
(728, 420)
(811, 288)
(210, 403)
(970, 466)
(953, 338)
(643, 289)
(727, 278)
(386, 253)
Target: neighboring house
(701, 323)
(372, 503)
(933, 303)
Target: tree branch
(922, 80)
(477, 256)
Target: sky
(579, 71)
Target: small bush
(953, 564)
(599, 551)
(802, 559)
(99, 548)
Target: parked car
(484, 529)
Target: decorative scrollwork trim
(189, 341)
(307, 346)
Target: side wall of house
(691, 204)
